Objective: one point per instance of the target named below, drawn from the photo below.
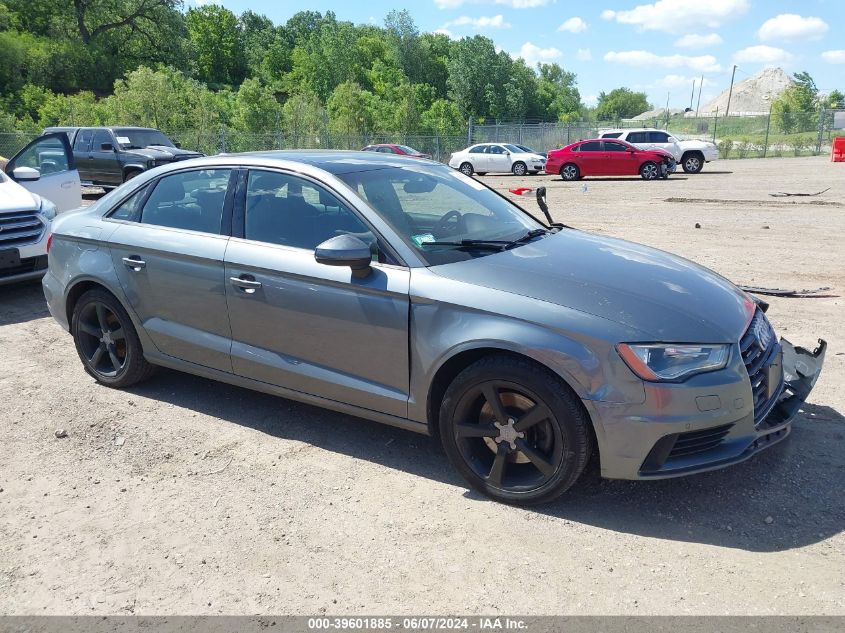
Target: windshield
(527, 149)
(408, 150)
(515, 148)
(139, 139)
(439, 204)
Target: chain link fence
(784, 134)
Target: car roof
(332, 161)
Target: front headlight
(47, 209)
(672, 362)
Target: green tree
(351, 110)
(305, 120)
(474, 75)
(620, 103)
(795, 110)
(443, 118)
(216, 45)
(557, 94)
(256, 107)
(835, 99)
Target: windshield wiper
(494, 245)
(528, 236)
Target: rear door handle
(135, 263)
(246, 283)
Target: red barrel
(837, 152)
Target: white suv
(690, 154)
(37, 182)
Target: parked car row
(648, 153)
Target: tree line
(150, 62)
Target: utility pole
(692, 94)
(700, 86)
(667, 109)
(731, 91)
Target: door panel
(317, 329)
(497, 159)
(591, 159)
(105, 164)
(174, 282)
(52, 156)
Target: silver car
(402, 291)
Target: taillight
(49, 242)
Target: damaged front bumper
(801, 370)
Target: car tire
(524, 465)
(131, 174)
(482, 173)
(534, 172)
(649, 171)
(466, 169)
(692, 162)
(519, 168)
(107, 342)
(570, 172)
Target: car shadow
(22, 302)
(786, 497)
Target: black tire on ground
(692, 162)
(481, 173)
(131, 174)
(649, 171)
(534, 172)
(570, 172)
(466, 169)
(514, 430)
(519, 168)
(107, 342)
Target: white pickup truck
(691, 155)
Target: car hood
(665, 297)
(695, 144)
(163, 152)
(13, 197)
(529, 156)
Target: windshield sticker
(424, 238)
(123, 140)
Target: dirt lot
(187, 496)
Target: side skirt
(299, 396)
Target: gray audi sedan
(400, 290)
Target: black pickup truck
(109, 156)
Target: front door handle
(67, 185)
(135, 263)
(246, 283)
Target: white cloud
(762, 54)
(590, 100)
(584, 54)
(492, 22)
(694, 40)
(513, 4)
(834, 57)
(672, 16)
(790, 27)
(533, 54)
(445, 32)
(700, 63)
(573, 25)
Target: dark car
(597, 157)
(399, 150)
(109, 156)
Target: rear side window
(658, 137)
(592, 146)
(478, 149)
(637, 137)
(130, 209)
(83, 140)
(191, 200)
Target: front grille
(759, 348)
(693, 442)
(27, 265)
(20, 227)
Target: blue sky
(657, 46)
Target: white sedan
(36, 183)
(496, 157)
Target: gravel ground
(187, 496)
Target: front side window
(496, 149)
(658, 137)
(190, 200)
(637, 137)
(436, 204)
(47, 155)
(614, 147)
(130, 209)
(101, 137)
(291, 211)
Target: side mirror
(345, 250)
(107, 147)
(507, 153)
(25, 174)
(177, 145)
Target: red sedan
(605, 157)
(390, 148)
